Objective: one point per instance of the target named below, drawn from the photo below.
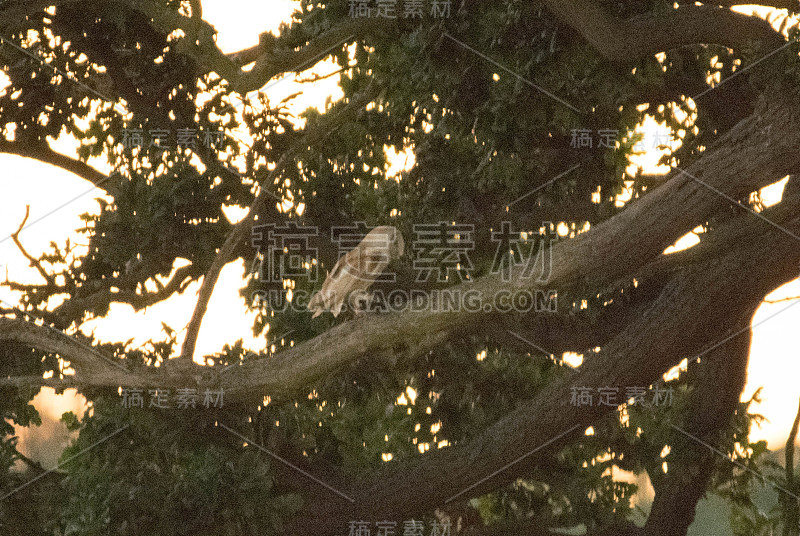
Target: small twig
(790, 298)
(260, 204)
(318, 77)
(34, 262)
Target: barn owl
(358, 269)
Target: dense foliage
(481, 138)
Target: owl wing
(345, 277)
(354, 271)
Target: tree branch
(51, 283)
(341, 113)
(93, 366)
(704, 302)
(101, 299)
(271, 63)
(199, 43)
(747, 158)
(20, 382)
(720, 378)
(44, 153)
(790, 298)
(625, 40)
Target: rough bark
(720, 378)
(706, 294)
(704, 301)
(759, 151)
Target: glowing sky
(58, 198)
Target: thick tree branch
(752, 155)
(342, 113)
(720, 378)
(44, 153)
(704, 303)
(23, 382)
(625, 40)
(93, 367)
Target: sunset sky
(57, 198)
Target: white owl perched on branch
(358, 269)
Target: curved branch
(341, 113)
(92, 365)
(100, 300)
(704, 302)
(45, 154)
(747, 158)
(624, 40)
